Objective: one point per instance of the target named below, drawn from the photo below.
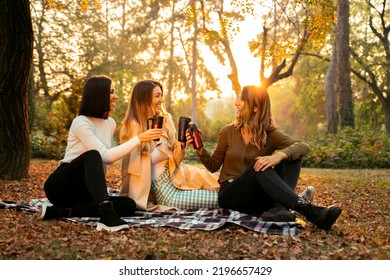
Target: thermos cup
(155, 122)
(183, 126)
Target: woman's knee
(222, 202)
(268, 173)
(93, 155)
(227, 199)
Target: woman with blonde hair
(260, 163)
(153, 174)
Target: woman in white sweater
(77, 188)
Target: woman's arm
(293, 148)
(284, 147)
(213, 163)
(86, 133)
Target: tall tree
(16, 47)
(343, 72)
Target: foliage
(219, 112)
(368, 112)
(363, 148)
(298, 104)
(361, 233)
(192, 158)
(50, 131)
(132, 44)
(290, 27)
(124, 40)
(370, 50)
(310, 100)
(46, 146)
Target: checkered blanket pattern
(197, 219)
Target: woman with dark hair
(153, 175)
(77, 188)
(252, 151)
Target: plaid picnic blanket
(198, 219)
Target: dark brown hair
(95, 101)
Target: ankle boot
(322, 217)
(278, 213)
(109, 219)
(50, 212)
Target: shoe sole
(101, 226)
(333, 213)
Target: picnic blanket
(197, 219)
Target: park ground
(362, 231)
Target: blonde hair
(259, 121)
(138, 111)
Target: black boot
(109, 219)
(50, 212)
(278, 213)
(322, 217)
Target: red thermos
(197, 139)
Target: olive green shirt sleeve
(293, 148)
(213, 163)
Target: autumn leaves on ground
(362, 232)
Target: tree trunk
(194, 107)
(168, 98)
(330, 94)
(233, 76)
(386, 109)
(31, 100)
(343, 82)
(16, 46)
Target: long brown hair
(257, 122)
(139, 109)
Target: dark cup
(155, 122)
(183, 126)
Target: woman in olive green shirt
(249, 150)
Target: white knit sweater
(87, 133)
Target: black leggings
(255, 192)
(81, 185)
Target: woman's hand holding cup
(150, 134)
(189, 139)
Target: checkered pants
(165, 193)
